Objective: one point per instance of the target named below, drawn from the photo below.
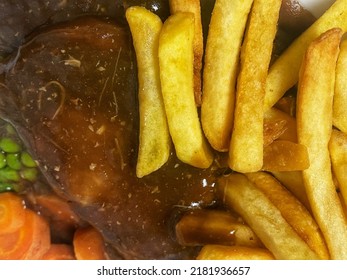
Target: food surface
(85, 136)
(75, 77)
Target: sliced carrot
(12, 212)
(62, 219)
(59, 252)
(89, 244)
(57, 208)
(30, 241)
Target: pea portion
(17, 167)
(27, 160)
(29, 174)
(8, 145)
(3, 160)
(8, 174)
(13, 161)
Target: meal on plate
(177, 129)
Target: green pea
(9, 146)
(27, 160)
(10, 129)
(2, 160)
(5, 187)
(8, 174)
(29, 174)
(13, 161)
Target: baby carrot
(89, 244)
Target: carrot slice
(30, 241)
(59, 252)
(12, 212)
(62, 219)
(89, 244)
(57, 208)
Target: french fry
(154, 137)
(202, 227)
(294, 182)
(344, 206)
(338, 155)
(282, 155)
(283, 74)
(246, 145)
(226, 29)
(176, 75)
(264, 218)
(314, 121)
(193, 6)
(220, 252)
(287, 103)
(340, 96)
(279, 125)
(292, 211)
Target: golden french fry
(344, 205)
(220, 252)
(292, 211)
(154, 137)
(193, 6)
(226, 29)
(340, 96)
(314, 122)
(202, 227)
(283, 74)
(273, 129)
(246, 146)
(338, 155)
(176, 75)
(264, 218)
(294, 182)
(282, 155)
(287, 103)
(279, 125)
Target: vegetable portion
(30, 241)
(59, 252)
(89, 244)
(12, 214)
(17, 167)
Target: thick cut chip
(338, 154)
(246, 146)
(226, 29)
(283, 74)
(193, 6)
(154, 137)
(202, 227)
(292, 211)
(264, 218)
(282, 155)
(220, 252)
(314, 121)
(340, 96)
(294, 182)
(176, 75)
(279, 125)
